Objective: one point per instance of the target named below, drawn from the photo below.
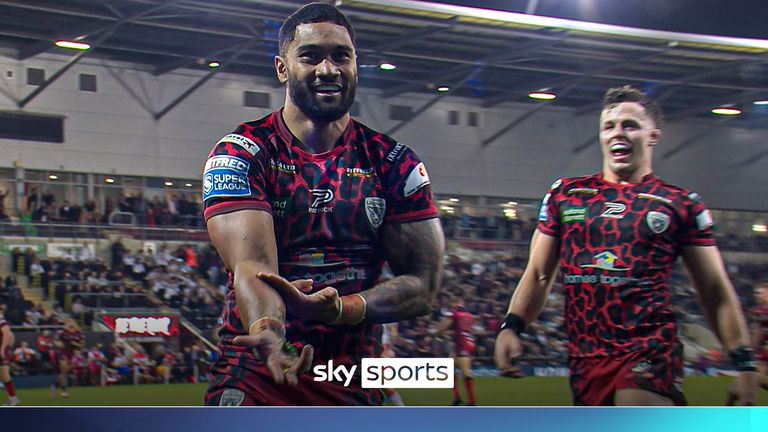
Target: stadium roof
(486, 55)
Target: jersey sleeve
(409, 193)
(697, 227)
(549, 214)
(235, 174)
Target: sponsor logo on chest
(360, 172)
(317, 199)
(574, 214)
(283, 167)
(614, 210)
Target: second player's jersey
(760, 316)
(618, 243)
(72, 340)
(328, 210)
(3, 323)
(462, 321)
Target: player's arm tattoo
(414, 251)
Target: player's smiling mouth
(620, 150)
(327, 88)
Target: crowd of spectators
(177, 209)
(186, 279)
(185, 210)
(117, 363)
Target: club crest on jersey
(242, 141)
(658, 222)
(375, 208)
(232, 397)
(614, 210)
(417, 179)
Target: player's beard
(310, 104)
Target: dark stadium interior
(484, 57)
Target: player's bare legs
(465, 366)
(5, 378)
(64, 368)
(637, 397)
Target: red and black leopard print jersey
(618, 243)
(759, 316)
(328, 210)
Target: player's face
(320, 68)
(627, 137)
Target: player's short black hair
(627, 93)
(312, 13)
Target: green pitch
(490, 391)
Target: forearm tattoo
(415, 255)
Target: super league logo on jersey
(375, 208)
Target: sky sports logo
(391, 373)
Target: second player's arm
(718, 297)
(531, 293)
(722, 307)
(414, 251)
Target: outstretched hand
(324, 305)
(284, 365)
(507, 349)
(746, 386)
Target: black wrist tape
(514, 323)
(743, 358)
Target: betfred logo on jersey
(417, 179)
(230, 162)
